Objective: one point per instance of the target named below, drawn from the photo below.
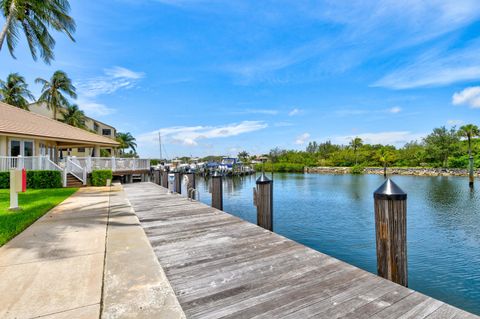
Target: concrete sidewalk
(58, 267)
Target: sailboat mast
(160, 143)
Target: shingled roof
(16, 121)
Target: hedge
(281, 167)
(35, 179)
(99, 177)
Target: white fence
(113, 163)
(32, 163)
(77, 166)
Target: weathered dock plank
(223, 267)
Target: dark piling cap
(216, 174)
(389, 190)
(263, 179)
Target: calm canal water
(334, 214)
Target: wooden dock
(221, 266)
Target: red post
(24, 180)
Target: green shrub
(99, 177)
(281, 167)
(35, 179)
(357, 169)
(4, 180)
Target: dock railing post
(391, 232)
(178, 182)
(263, 199)
(217, 191)
(191, 183)
(165, 178)
(157, 177)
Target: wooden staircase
(72, 181)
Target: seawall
(394, 171)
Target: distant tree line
(443, 147)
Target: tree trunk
(8, 22)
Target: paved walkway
(57, 267)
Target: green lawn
(34, 204)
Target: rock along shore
(394, 171)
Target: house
(91, 124)
(37, 142)
(29, 134)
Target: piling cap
(263, 179)
(389, 190)
(216, 174)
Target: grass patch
(34, 204)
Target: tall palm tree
(356, 143)
(469, 131)
(126, 141)
(73, 116)
(35, 18)
(15, 91)
(53, 91)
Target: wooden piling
(178, 182)
(470, 172)
(217, 191)
(263, 199)
(164, 177)
(191, 184)
(391, 232)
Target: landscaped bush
(281, 167)
(35, 179)
(4, 180)
(99, 177)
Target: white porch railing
(113, 163)
(31, 163)
(76, 170)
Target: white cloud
(294, 112)
(455, 122)
(469, 96)
(395, 110)
(302, 139)
(397, 138)
(94, 109)
(191, 135)
(111, 81)
(436, 67)
(120, 72)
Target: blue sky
(218, 77)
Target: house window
(81, 149)
(107, 131)
(15, 148)
(28, 148)
(95, 127)
(19, 147)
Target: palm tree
(73, 116)
(386, 156)
(15, 91)
(356, 143)
(469, 131)
(35, 18)
(126, 141)
(53, 91)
